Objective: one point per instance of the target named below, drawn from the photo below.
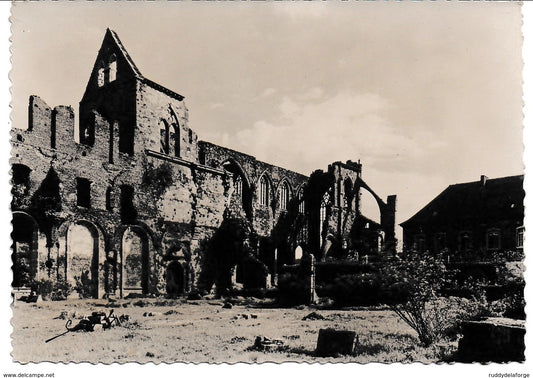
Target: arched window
(86, 130)
(324, 210)
(112, 68)
(348, 193)
(284, 194)
(176, 138)
(101, 74)
(263, 191)
(20, 181)
(237, 183)
(301, 202)
(164, 137)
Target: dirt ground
(161, 330)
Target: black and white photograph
(252, 182)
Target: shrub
(355, 289)
(413, 284)
(52, 289)
(292, 290)
(511, 306)
(84, 285)
(158, 178)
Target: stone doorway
(175, 279)
(24, 249)
(83, 250)
(135, 263)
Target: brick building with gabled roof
(470, 218)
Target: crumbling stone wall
(148, 197)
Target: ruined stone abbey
(131, 202)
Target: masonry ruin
(135, 204)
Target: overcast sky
(424, 94)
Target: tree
(414, 281)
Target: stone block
(332, 342)
(492, 340)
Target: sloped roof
(136, 71)
(471, 201)
(124, 53)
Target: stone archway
(84, 248)
(135, 261)
(241, 197)
(24, 249)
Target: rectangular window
(493, 239)
(520, 237)
(465, 241)
(108, 199)
(128, 214)
(83, 192)
(440, 242)
(125, 138)
(53, 128)
(420, 243)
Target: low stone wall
(492, 340)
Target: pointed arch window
(112, 68)
(164, 137)
(324, 210)
(176, 137)
(263, 191)
(284, 194)
(301, 202)
(237, 183)
(100, 74)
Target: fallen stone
(194, 296)
(266, 345)
(149, 314)
(227, 305)
(171, 312)
(313, 316)
(492, 340)
(332, 342)
(66, 315)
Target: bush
(413, 284)
(510, 306)
(158, 179)
(355, 290)
(84, 285)
(292, 290)
(52, 289)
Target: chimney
(483, 180)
